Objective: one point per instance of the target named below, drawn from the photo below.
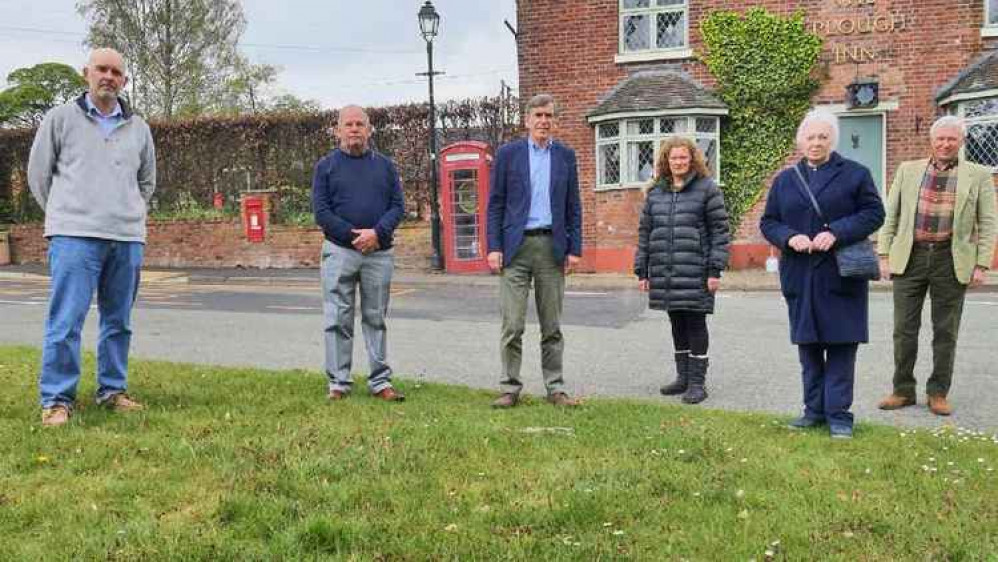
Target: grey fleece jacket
(90, 186)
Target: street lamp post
(429, 23)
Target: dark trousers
(930, 269)
(689, 331)
(828, 373)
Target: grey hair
(948, 122)
(815, 116)
(541, 100)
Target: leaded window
(626, 149)
(981, 146)
(654, 25)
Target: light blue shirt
(540, 185)
(108, 123)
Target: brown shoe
(562, 399)
(506, 400)
(389, 394)
(336, 394)
(938, 405)
(55, 416)
(121, 402)
(896, 402)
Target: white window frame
(989, 28)
(623, 139)
(652, 53)
(960, 109)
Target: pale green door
(861, 138)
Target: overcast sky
(333, 51)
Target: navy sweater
(351, 192)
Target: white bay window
(626, 148)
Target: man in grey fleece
(93, 170)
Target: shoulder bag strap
(807, 189)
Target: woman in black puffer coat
(682, 250)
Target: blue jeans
(80, 266)
(342, 271)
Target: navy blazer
(824, 307)
(509, 201)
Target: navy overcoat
(824, 307)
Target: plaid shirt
(936, 202)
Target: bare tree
(179, 52)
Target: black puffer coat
(682, 240)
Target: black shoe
(805, 422)
(840, 431)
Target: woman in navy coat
(828, 313)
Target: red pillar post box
(464, 193)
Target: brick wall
(185, 244)
(569, 53)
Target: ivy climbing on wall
(765, 65)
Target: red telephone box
(464, 193)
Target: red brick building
(625, 75)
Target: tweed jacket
(973, 241)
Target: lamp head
(429, 21)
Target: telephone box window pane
(464, 200)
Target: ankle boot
(695, 391)
(678, 386)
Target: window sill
(630, 186)
(673, 54)
(989, 31)
(620, 187)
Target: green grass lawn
(239, 464)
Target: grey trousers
(342, 270)
(534, 261)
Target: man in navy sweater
(357, 200)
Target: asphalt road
(448, 332)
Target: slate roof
(980, 76)
(656, 90)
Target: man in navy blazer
(534, 234)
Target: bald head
(105, 76)
(104, 55)
(354, 111)
(353, 129)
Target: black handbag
(857, 260)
